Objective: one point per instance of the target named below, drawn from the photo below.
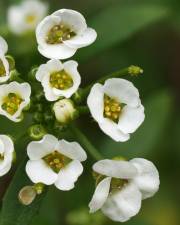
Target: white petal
(3, 46)
(82, 40)
(72, 150)
(39, 172)
(4, 170)
(59, 51)
(122, 90)
(41, 72)
(49, 93)
(95, 102)
(54, 65)
(6, 66)
(69, 175)
(147, 178)
(71, 68)
(131, 118)
(115, 168)
(73, 19)
(38, 149)
(100, 195)
(124, 204)
(111, 129)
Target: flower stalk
(84, 141)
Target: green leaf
(13, 212)
(120, 22)
(158, 110)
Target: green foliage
(120, 22)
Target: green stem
(86, 144)
(83, 110)
(131, 70)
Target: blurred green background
(140, 32)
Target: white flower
(64, 110)
(55, 162)
(14, 97)
(25, 17)
(62, 33)
(122, 185)
(59, 79)
(6, 154)
(116, 107)
(4, 65)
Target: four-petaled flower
(59, 79)
(62, 33)
(6, 154)
(14, 98)
(26, 16)
(116, 107)
(121, 186)
(55, 162)
(4, 65)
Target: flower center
(55, 160)
(30, 18)
(112, 109)
(2, 69)
(1, 156)
(11, 103)
(117, 184)
(59, 33)
(61, 80)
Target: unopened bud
(135, 70)
(36, 132)
(64, 111)
(27, 195)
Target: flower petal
(122, 90)
(100, 195)
(95, 102)
(6, 66)
(38, 149)
(115, 168)
(39, 172)
(72, 150)
(3, 46)
(41, 72)
(69, 175)
(60, 51)
(124, 204)
(82, 40)
(54, 65)
(147, 178)
(131, 118)
(73, 19)
(111, 129)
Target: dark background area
(144, 33)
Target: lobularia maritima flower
(122, 185)
(64, 111)
(14, 98)
(59, 79)
(4, 65)
(62, 33)
(25, 17)
(116, 107)
(55, 162)
(6, 154)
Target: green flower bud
(36, 132)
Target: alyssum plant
(52, 95)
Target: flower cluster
(56, 101)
